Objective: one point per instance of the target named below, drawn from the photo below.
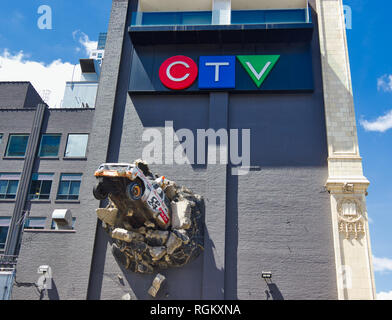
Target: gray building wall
(18, 95)
(41, 247)
(276, 218)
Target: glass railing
(172, 18)
(196, 18)
(270, 16)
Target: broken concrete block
(156, 285)
(107, 215)
(173, 243)
(157, 237)
(171, 189)
(181, 214)
(157, 253)
(127, 236)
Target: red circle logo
(178, 72)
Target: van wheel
(99, 193)
(134, 191)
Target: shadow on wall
(53, 293)
(273, 292)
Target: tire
(99, 193)
(134, 191)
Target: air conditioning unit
(62, 219)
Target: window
(9, 185)
(76, 145)
(35, 223)
(17, 145)
(50, 144)
(69, 186)
(1, 137)
(41, 185)
(53, 226)
(4, 226)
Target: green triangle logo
(258, 67)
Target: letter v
(258, 75)
(265, 63)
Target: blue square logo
(217, 72)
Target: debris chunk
(181, 214)
(173, 243)
(156, 285)
(127, 236)
(157, 253)
(107, 215)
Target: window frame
(66, 146)
(53, 224)
(7, 195)
(58, 147)
(28, 219)
(67, 197)
(2, 245)
(31, 195)
(9, 143)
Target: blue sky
(76, 25)
(370, 45)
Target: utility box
(62, 219)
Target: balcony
(200, 27)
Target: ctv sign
(214, 72)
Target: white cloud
(43, 76)
(384, 295)
(384, 83)
(84, 40)
(381, 124)
(382, 264)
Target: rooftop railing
(197, 18)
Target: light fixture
(266, 275)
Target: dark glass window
(69, 186)
(41, 185)
(4, 225)
(76, 145)
(35, 223)
(9, 185)
(50, 144)
(17, 145)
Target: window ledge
(48, 231)
(7, 200)
(49, 158)
(13, 158)
(67, 201)
(75, 158)
(39, 201)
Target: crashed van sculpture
(154, 223)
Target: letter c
(174, 64)
(186, 76)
